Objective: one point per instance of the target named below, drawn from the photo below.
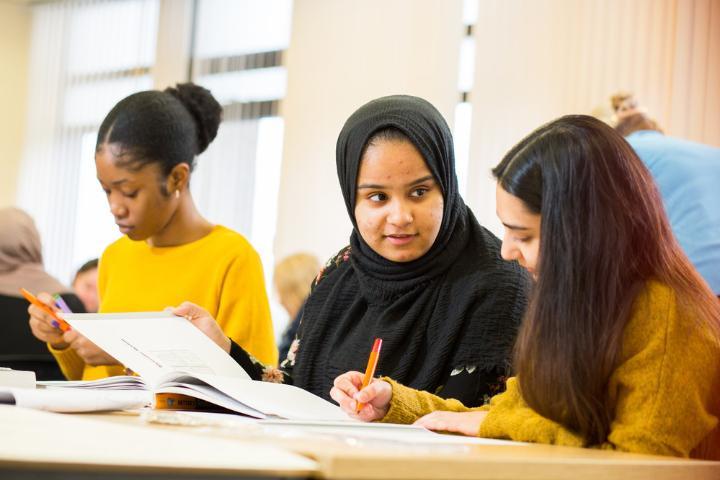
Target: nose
(117, 208)
(508, 250)
(400, 213)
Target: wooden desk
(36, 444)
(353, 459)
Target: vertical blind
(85, 56)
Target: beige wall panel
(540, 59)
(15, 22)
(695, 94)
(712, 88)
(342, 54)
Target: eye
(378, 197)
(130, 194)
(419, 192)
(523, 239)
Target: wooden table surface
(365, 459)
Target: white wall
(342, 54)
(14, 52)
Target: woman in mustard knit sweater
(145, 152)
(620, 345)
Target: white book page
(118, 382)
(153, 343)
(69, 400)
(274, 399)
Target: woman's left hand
(465, 423)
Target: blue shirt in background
(688, 175)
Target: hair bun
(205, 110)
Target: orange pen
(371, 365)
(61, 324)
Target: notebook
(171, 355)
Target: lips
(400, 238)
(124, 228)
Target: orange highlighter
(61, 324)
(370, 370)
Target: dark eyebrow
(515, 227)
(381, 187)
(421, 180)
(118, 182)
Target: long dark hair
(604, 235)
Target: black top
(19, 349)
(467, 382)
(448, 319)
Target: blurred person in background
(21, 266)
(687, 174)
(85, 285)
(293, 277)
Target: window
(85, 56)
(238, 55)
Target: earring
(177, 193)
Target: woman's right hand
(376, 397)
(42, 324)
(202, 319)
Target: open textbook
(171, 355)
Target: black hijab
(458, 305)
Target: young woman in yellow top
(145, 153)
(620, 345)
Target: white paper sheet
(69, 400)
(118, 382)
(153, 343)
(344, 431)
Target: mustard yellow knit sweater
(666, 391)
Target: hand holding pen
(360, 395)
(57, 302)
(44, 322)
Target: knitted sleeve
(408, 404)
(665, 398)
(71, 365)
(510, 418)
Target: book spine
(177, 401)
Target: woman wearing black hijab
(420, 272)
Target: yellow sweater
(666, 391)
(221, 272)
